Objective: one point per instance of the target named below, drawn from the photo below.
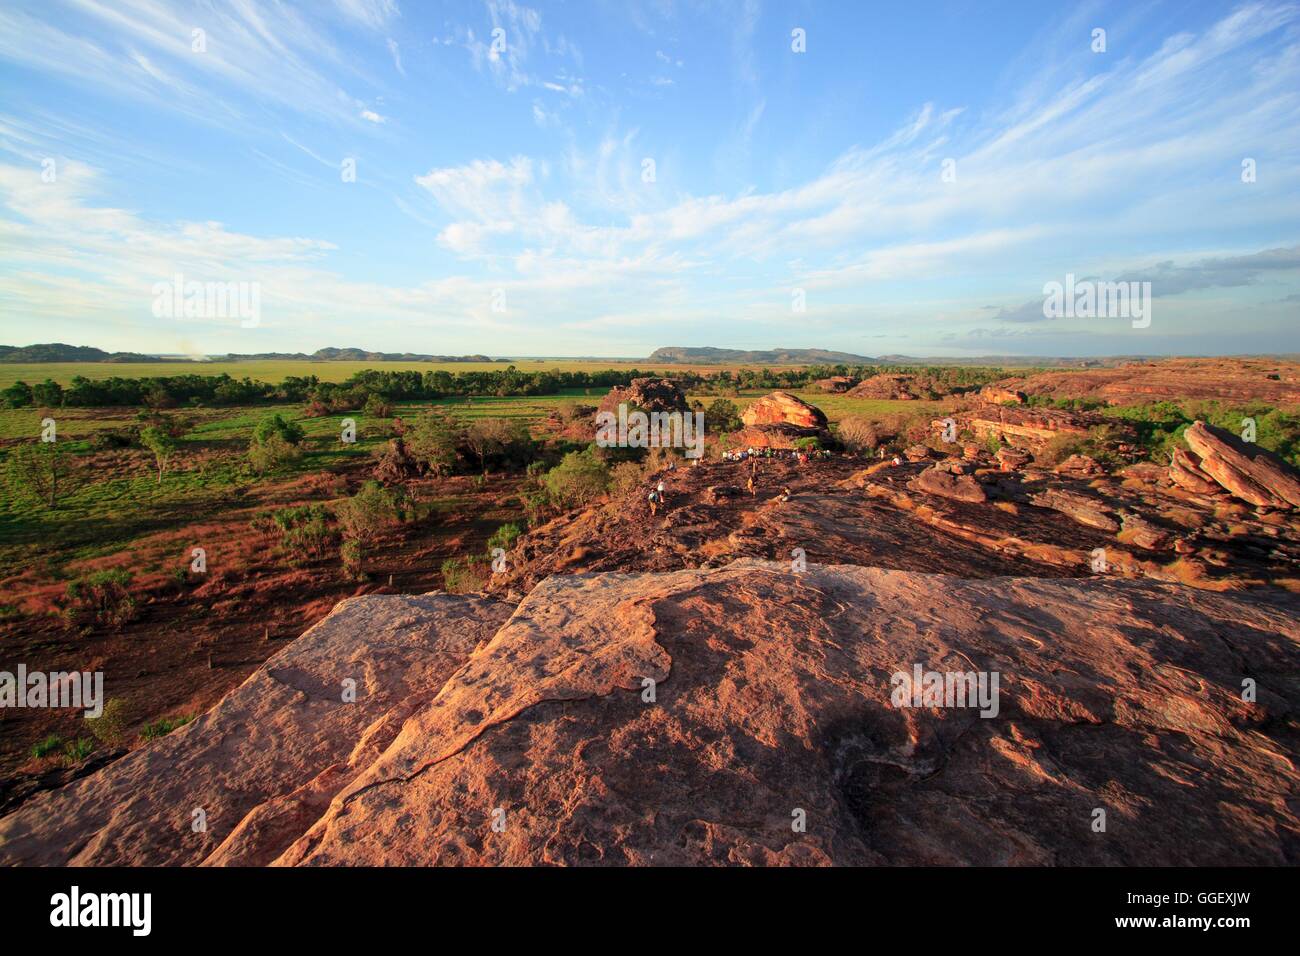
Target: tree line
(193, 390)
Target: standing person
(749, 485)
(661, 491)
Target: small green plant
(163, 726)
(504, 537)
(461, 576)
(102, 599)
(75, 751)
(110, 726)
(163, 445)
(51, 744)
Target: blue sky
(503, 201)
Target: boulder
(1137, 530)
(1000, 395)
(835, 384)
(1244, 469)
(1088, 511)
(779, 435)
(1080, 466)
(1012, 459)
(942, 482)
(918, 453)
(782, 408)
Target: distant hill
(58, 352)
(712, 356)
(353, 355)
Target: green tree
(498, 439)
(37, 471)
(432, 440)
(17, 395)
(722, 416)
(163, 445)
(48, 394)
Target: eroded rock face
(937, 481)
(266, 761)
(835, 384)
(1244, 469)
(782, 408)
(690, 717)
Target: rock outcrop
(689, 717)
(836, 384)
(647, 394)
(782, 408)
(1243, 468)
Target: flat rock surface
(280, 744)
(772, 696)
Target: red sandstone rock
(937, 481)
(782, 408)
(772, 694)
(1244, 469)
(1185, 471)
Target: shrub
(163, 726)
(75, 751)
(722, 416)
(17, 395)
(504, 537)
(111, 725)
(858, 434)
(461, 576)
(276, 424)
(578, 479)
(376, 407)
(271, 453)
(102, 599)
(304, 531)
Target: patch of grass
(51, 744)
(163, 726)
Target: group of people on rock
(801, 455)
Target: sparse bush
(626, 476)
(163, 726)
(38, 472)
(504, 537)
(111, 725)
(353, 556)
(461, 576)
(305, 533)
(102, 599)
(163, 445)
(271, 453)
(51, 744)
(376, 407)
(858, 434)
(75, 751)
(578, 479)
(362, 518)
(277, 424)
